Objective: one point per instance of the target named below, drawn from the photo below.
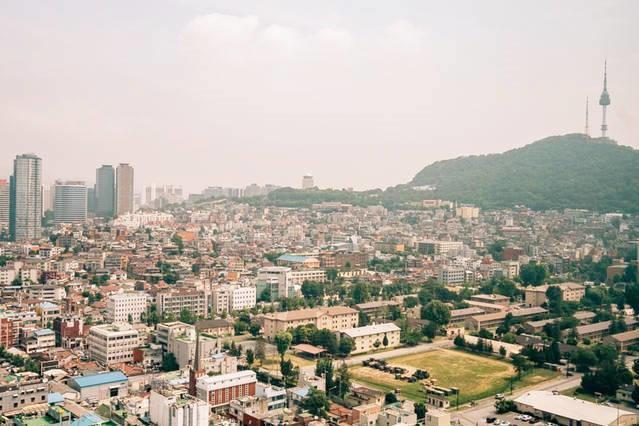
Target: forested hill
(571, 171)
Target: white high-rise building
(112, 343)
(70, 205)
(307, 182)
(4, 204)
(125, 307)
(25, 219)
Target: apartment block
(125, 307)
(112, 343)
(333, 318)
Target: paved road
(409, 350)
(477, 414)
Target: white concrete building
(452, 275)
(371, 337)
(125, 307)
(231, 298)
(112, 343)
(168, 407)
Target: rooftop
(571, 408)
(100, 379)
(371, 329)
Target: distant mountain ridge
(570, 171)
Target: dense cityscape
(465, 251)
(219, 308)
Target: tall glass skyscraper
(70, 205)
(105, 191)
(25, 218)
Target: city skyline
(396, 89)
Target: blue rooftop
(100, 379)
(292, 258)
(48, 305)
(88, 420)
(43, 332)
(55, 398)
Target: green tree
(436, 312)
(187, 316)
(390, 398)
(346, 345)
(343, 380)
(250, 357)
(283, 342)
(260, 350)
(316, 403)
(521, 364)
(360, 292)
(553, 294)
(324, 368)
(385, 341)
(420, 411)
(169, 363)
(532, 274)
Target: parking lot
(516, 419)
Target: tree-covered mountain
(571, 171)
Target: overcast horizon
(363, 94)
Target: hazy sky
(358, 93)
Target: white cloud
(219, 29)
(335, 37)
(404, 35)
(280, 36)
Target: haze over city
(361, 94)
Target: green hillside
(571, 171)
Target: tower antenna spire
(604, 101)
(587, 128)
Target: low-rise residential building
(377, 309)
(332, 318)
(570, 292)
(494, 320)
(101, 386)
(39, 340)
(372, 337)
(459, 316)
(493, 299)
(15, 395)
(218, 391)
(215, 327)
(569, 411)
(623, 341)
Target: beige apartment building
(371, 337)
(570, 292)
(124, 189)
(112, 343)
(172, 302)
(334, 318)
